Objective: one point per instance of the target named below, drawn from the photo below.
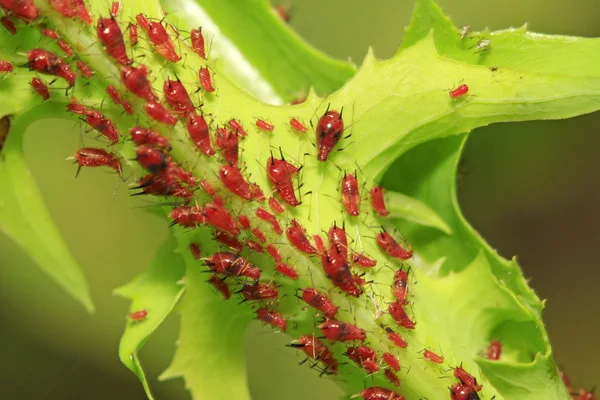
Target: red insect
(137, 316)
(259, 291)
(320, 301)
(127, 106)
(351, 195)
(378, 202)
(133, 34)
(400, 286)
(177, 97)
(379, 393)
(259, 235)
(254, 246)
(113, 94)
(434, 358)
(316, 350)
(458, 391)
(159, 113)
(24, 9)
(219, 217)
(71, 9)
(319, 244)
(275, 206)
(338, 243)
(160, 185)
(297, 237)
(264, 125)
(270, 218)
(243, 220)
(76, 107)
(141, 136)
(198, 42)
(220, 285)
(274, 252)
(205, 79)
(466, 378)
(363, 261)
(114, 9)
(5, 66)
(176, 172)
(585, 395)
(64, 46)
(151, 158)
(391, 361)
(195, 250)
(49, 33)
(273, 318)
(40, 88)
(228, 142)
(84, 69)
(283, 12)
(231, 264)
(229, 240)
(287, 270)
(392, 377)
(342, 331)
(136, 80)
(159, 37)
(188, 217)
(234, 181)
(91, 157)
(280, 173)
(389, 245)
(396, 339)
(8, 24)
(109, 33)
(365, 357)
(494, 350)
(299, 100)
(297, 125)
(198, 130)
(237, 127)
(459, 91)
(397, 312)
(103, 125)
(50, 64)
(329, 131)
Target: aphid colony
(269, 225)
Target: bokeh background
(531, 189)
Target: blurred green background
(530, 189)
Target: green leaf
(157, 290)
(405, 207)
(23, 215)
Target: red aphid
(220, 285)
(274, 252)
(365, 357)
(65, 47)
(259, 235)
(280, 173)
(109, 33)
(467, 379)
(113, 94)
(337, 269)
(76, 107)
(237, 127)
(84, 69)
(389, 245)
(233, 180)
(395, 338)
(141, 136)
(316, 350)
(254, 246)
(49, 33)
(242, 219)
(434, 358)
(298, 100)
(342, 331)
(24, 9)
(585, 395)
(133, 34)
(231, 264)
(159, 185)
(270, 218)
(205, 79)
(379, 393)
(139, 315)
(338, 243)
(159, 113)
(329, 131)
(283, 12)
(363, 261)
(229, 240)
(40, 88)
(351, 195)
(136, 80)
(175, 171)
(286, 270)
(273, 318)
(399, 315)
(264, 125)
(8, 24)
(6, 66)
(219, 217)
(391, 361)
(151, 158)
(103, 125)
(48, 63)
(297, 125)
(158, 36)
(114, 9)
(459, 91)
(297, 237)
(188, 217)
(177, 97)
(392, 377)
(320, 301)
(494, 350)
(458, 391)
(228, 143)
(400, 286)
(259, 291)
(198, 42)
(275, 206)
(198, 130)
(71, 9)
(195, 250)
(319, 244)
(378, 202)
(91, 157)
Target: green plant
(408, 112)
